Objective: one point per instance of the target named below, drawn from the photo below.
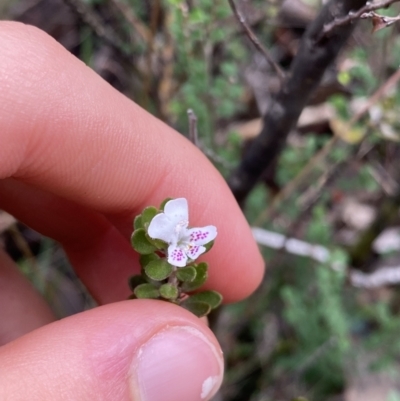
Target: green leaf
(212, 298)
(140, 243)
(209, 245)
(198, 308)
(168, 291)
(144, 260)
(164, 202)
(200, 279)
(136, 280)
(148, 214)
(146, 291)
(158, 270)
(157, 243)
(137, 223)
(186, 274)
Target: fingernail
(178, 363)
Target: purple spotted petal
(161, 227)
(176, 256)
(177, 211)
(203, 235)
(195, 251)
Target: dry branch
(254, 39)
(306, 71)
(354, 16)
(89, 17)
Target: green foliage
(144, 260)
(318, 319)
(256, 202)
(319, 229)
(362, 72)
(164, 202)
(293, 159)
(148, 214)
(161, 280)
(141, 243)
(187, 274)
(146, 291)
(169, 291)
(198, 308)
(341, 104)
(158, 270)
(211, 298)
(208, 94)
(137, 222)
(199, 280)
(134, 281)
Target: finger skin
(66, 132)
(96, 355)
(22, 309)
(93, 245)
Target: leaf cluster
(161, 280)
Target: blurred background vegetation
(325, 323)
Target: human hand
(78, 161)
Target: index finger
(67, 132)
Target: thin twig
(382, 21)
(194, 138)
(253, 38)
(350, 17)
(306, 72)
(317, 158)
(98, 26)
(135, 22)
(193, 135)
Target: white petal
(195, 251)
(176, 256)
(177, 211)
(202, 235)
(161, 227)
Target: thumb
(138, 350)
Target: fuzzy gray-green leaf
(209, 245)
(148, 214)
(146, 291)
(140, 242)
(186, 274)
(158, 270)
(138, 223)
(212, 298)
(144, 260)
(134, 281)
(164, 202)
(198, 308)
(157, 243)
(199, 280)
(169, 291)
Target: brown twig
(194, 138)
(355, 15)
(130, 16)
(193, 134)
(90, 18)
(256, 42)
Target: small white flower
(172, 227)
